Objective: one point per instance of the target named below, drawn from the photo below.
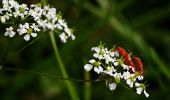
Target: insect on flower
(121, 51)
(126, 56)
(129, 69)
(138, 65)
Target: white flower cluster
(110, 65)
(28, 21)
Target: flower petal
(92, 61)
(146, 94)
(33, 34)
(88, 67)
(100, 69)
(96, 70)
(140, 78)
(139, 90)
(112, 86)
(27, 37)
(137, 84)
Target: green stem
(87, 87)
(70, 86)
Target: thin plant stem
(87, 86)
(70, 86)
(2, 68)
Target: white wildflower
(117, 75)
(28, 30)
(23, 28)
(98, 69)
(9, 32)
(141, 87)
(109, 70)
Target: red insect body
(129, 62)
(126, 56)
(138, 65)
(121, 51)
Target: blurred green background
(142, 27)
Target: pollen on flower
(118, 65)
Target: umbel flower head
(115, 66)
(33, 19)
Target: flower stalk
(70, 86)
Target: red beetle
(126, 56)
(138, 65)
(121, 51)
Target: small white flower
(117, 75)
(130, 82)
(141, 87)
(98, 69)
(126, 75)
(9, 32)
(107, 58)
(130, 78)
(112, 86)
(109, 70)
(5, 17)
(6, 5)
(26, 29)
(20, 10)
(22, 29)
(13, 3)
(99, 54)
(63, 37)
(36, 12)
(35, 27)
(3, 20)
